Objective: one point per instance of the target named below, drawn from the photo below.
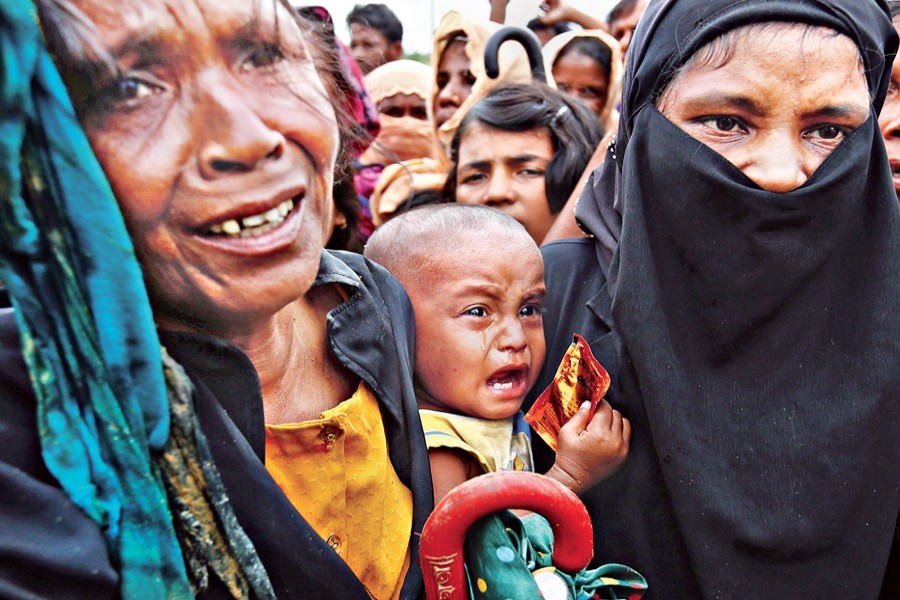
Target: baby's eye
(531, 310)
(475, 311)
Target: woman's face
(219, 141)
(778, 107)
(889, 120)
(507, 170)
(454, 82)
(584, 78)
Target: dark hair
(721, 50)
(346, 202)
(591, 47)
(621, 10)
(573, 128)
(377, 16)
(894, 7)
(558, 28)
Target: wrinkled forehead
(123, 21)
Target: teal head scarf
(89, 339)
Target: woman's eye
(475, 311)
(724, 123)
(532, 172)
(829, 132)
(265, 56)
(127, 92)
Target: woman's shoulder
(376, 282)
(572, 266)
(62, 539)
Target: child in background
(476, 282)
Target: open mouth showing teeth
(253, 225)
(506, 380)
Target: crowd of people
(268, 295)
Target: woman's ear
(340, 219)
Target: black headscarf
(760, 331)
(671, 31)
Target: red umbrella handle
(441, 550)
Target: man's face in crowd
(370, 48)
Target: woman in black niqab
(755, 335)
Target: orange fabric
(336, 472)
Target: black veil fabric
(670, 31)
(759, 331)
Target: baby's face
(479, 333)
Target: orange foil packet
(579, 378)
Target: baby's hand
(590, 451)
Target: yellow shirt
(336, 472)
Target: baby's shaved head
(415, 245)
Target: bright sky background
(420, 17)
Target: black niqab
(759, 330)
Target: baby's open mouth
(253, 225)
(507, 379)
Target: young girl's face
(507, 171)
(479, 333)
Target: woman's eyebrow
(742, 103)
(99, 61)
(840, 111)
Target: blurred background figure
(587, 65)
(459, 76)
(889, 119)
(376, 35)
(401, 90)
(545, 31)
(622, 20)
(406, 185)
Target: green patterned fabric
(504, 554)
(92, 350)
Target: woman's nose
(890, 131)
(780, 165)
(451, 94)
(234, 138)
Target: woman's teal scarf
(87, 330)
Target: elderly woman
(215, 126)
(749, 315)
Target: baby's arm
(449, 468)
(590, 451)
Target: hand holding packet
(580, 378)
